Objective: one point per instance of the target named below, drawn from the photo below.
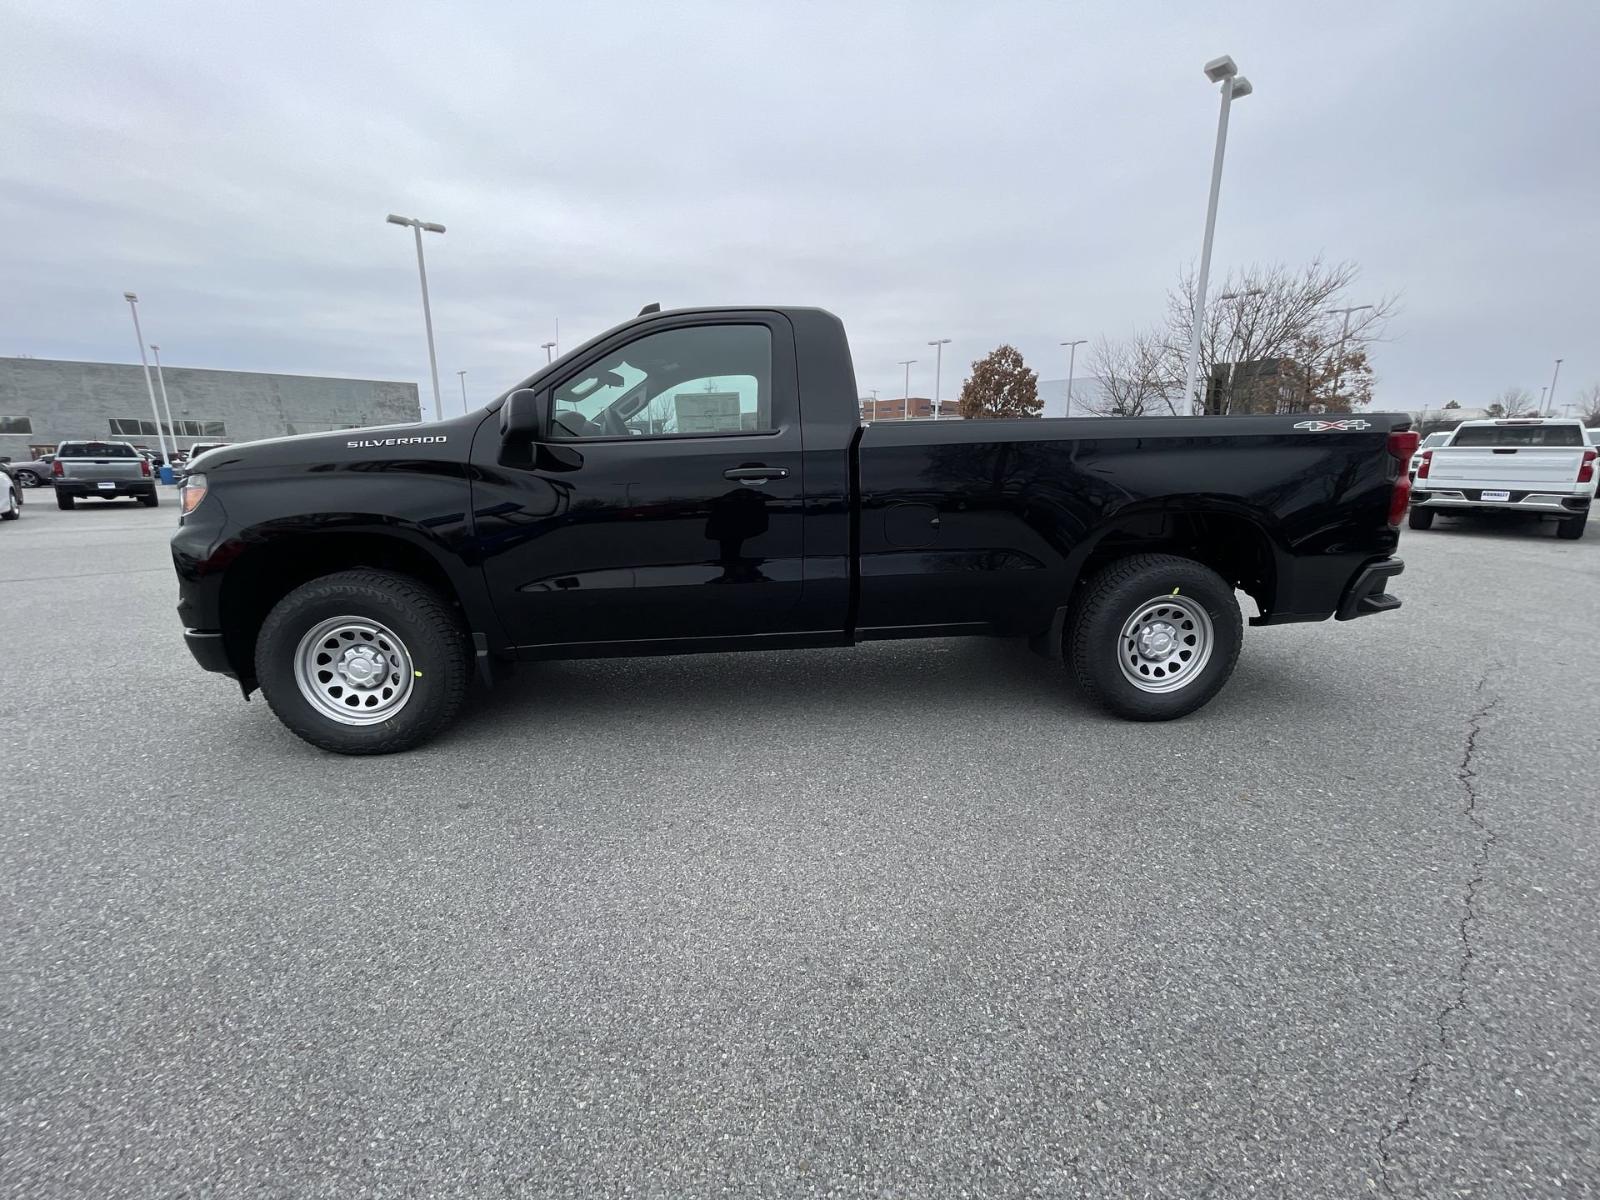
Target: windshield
(1518, 435)
(1435, 439)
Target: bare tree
(1589, 405)
(1271, 342)
(1513, 402)
(1135, 377)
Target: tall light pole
(1239, 298)
(905, 412)
(1234, 85)
(1072, 363)
(133, 307)
(1553, 379)
(167, 408)
(549, 356)
(462, 375)
(417, 227)
(1344, 332)
(938, 345)
(1543, 392)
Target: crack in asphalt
(1466, 776)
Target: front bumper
(1515, 501)
(1364, 595)
(208, 650)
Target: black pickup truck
(701, 480)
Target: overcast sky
(984, 172)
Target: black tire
(13, 508)
(150, 499)
(27, 479)
(63, 501)
(1118, 594)
(1571, 529)
(1420, 518)
(427, 626)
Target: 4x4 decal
(1324, 426)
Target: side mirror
(525, 416)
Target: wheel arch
(263, 566)
(1233, 540)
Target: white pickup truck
(1536, 465)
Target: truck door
(665, 501)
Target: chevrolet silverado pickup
(1537, 466)
(104, 470)
(701, 480)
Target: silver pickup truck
(103, 469)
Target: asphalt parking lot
(906, 920)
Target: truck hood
(452, 437)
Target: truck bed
(1006, 513)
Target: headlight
(192, 492)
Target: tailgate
(1511, 468)
(122, 470)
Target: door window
(705, 379)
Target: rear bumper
(122, 487)
(1364, 596)
(1516, 501)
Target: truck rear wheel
(63, 500)
(363, 662)
(1154, 636)
(1571, 529)
(1420, 518)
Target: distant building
(1258, 385)
(895, 410)
(1436, 420)
(45, 401)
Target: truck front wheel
(363, 662)
(1154, 636)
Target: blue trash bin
(166, 473)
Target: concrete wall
(79, 400)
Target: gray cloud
(989, 173)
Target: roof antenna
(650, 308)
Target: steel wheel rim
(1165, 644)
(353, 670)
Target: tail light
(1402, 445)
(1586, 471)
(57, 469)
(1427, 461)
(144, 465)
